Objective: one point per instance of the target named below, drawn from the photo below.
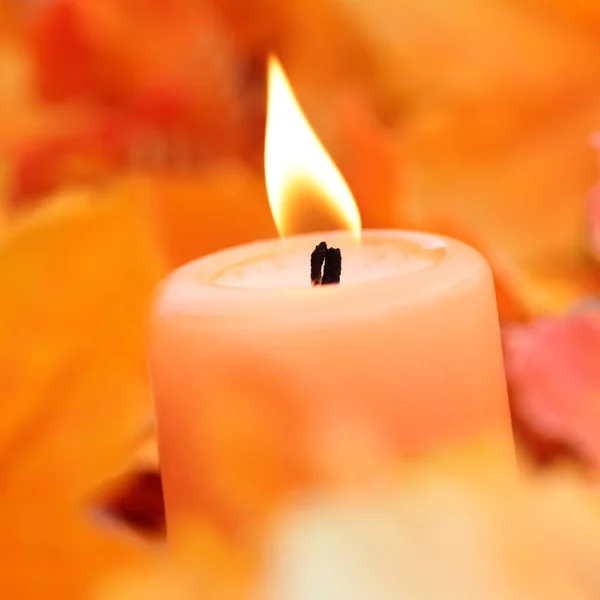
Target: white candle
(402, 355)
(265, 384)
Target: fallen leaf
(106, 53)
(485, 141)
(553, 370)
(163, 129)
(206, 565)
(76, 277)
(42, 166)
(369, 157)
(66, 51)
(198, 213)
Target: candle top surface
(271, 279)
(376, 257)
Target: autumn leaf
(198, 213)
(18, 116)
(42, 166)
(486, 142)
(161, 130)
(67, 55)
(76, 278)
(105, 53)
(207, 565)
(489, 153)
(553, 370)
(100, 59)
(370, 159)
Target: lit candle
(265, 383)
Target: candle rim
(191, 290)
(253, 252)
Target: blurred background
(131, 141)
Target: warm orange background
(131, 141)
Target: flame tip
(295, 160)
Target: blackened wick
(325, 265)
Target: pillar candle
(265, 384)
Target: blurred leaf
(495, 141)
(67, 56)
(155, 96)
(369, 158)
(556, 283)
(76, 278)
(553, 369)
(198, 213)
(106, 53)
(206, 565)
(43, 165)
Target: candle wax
(264, 384)
(361, 262)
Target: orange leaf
(370, 162)
(42, 166)
(106, 50)
(198, 213)
(488, 141)
(75, 280)
(207, 565)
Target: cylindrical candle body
(264, 384)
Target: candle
(265, 383)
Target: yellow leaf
(75, 279)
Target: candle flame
(306, 190)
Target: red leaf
(64, 52)
(553, 369)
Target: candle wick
(317, 258)
(329, 260)
(332, 270)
